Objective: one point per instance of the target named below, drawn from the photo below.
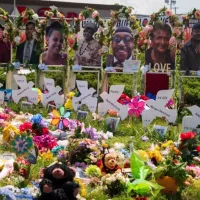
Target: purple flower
(91, 133)
(72, 125)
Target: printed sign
(162, 130)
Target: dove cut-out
(1, 95)
(110, 102)
(157, 108)
(25, 90)
(53, 94)
(86, 97)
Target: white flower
(135, 32)
(110, 69)
(16, 65)
(119, 146)
(17, 39)
(42, 67)
(53, 8)
(105, 31)
(35, 17)
(144, 69)
(105, 49)
(76, 68)
(109, 134)
(34, 34)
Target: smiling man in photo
(122, 45)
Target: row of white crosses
(154, 108)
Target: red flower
(26, 126)
(188, 135)
(143, 97)
(124, 99)
(25, 20)
(198, 148)
(45, 131)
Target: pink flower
(95, 14)
(168, 12)
(172, 41)
(81, 17)
(197, 14)
(136, 107)
(177, 32)
(147, 29)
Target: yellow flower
(155, 154)
(167, 144)
(104, 145)
(47, 155)
(9, 132)
(143, 154)
(82, 187)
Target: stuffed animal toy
(54, 177)
(108, 164)
(68, 104)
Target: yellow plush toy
(68, 104)
(9, 132)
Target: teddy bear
(108, 164)
(54, 177)
(68, 103)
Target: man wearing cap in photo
(5, 48)
(122, 45)
(88, 48)
(26, 51)
(190, 53)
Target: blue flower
(36, 119)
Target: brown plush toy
(109, 164)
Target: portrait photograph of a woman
(54, 40)
(88, 48)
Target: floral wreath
(194, 14)
(155, 18)
(9, 27)
(83, 15)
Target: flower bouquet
(114, 184)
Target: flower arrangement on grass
(93, 171)
(114, 184)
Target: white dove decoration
(110, 102)
(157, 108)
(53, 94)
(190, 123)
(25, 90)
(1, 95)
(86, 97)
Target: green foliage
(93, 171)
(192, 192)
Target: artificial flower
(56, 149)
(53, 8)
(46, 141)
(26, 126)
(47, 155)
(198, 149)
(197, 14)
(187, 136)
(17, 39)
(168, 12)
(124, 99)
(35, 17)
(95, 14)
(136, 107)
